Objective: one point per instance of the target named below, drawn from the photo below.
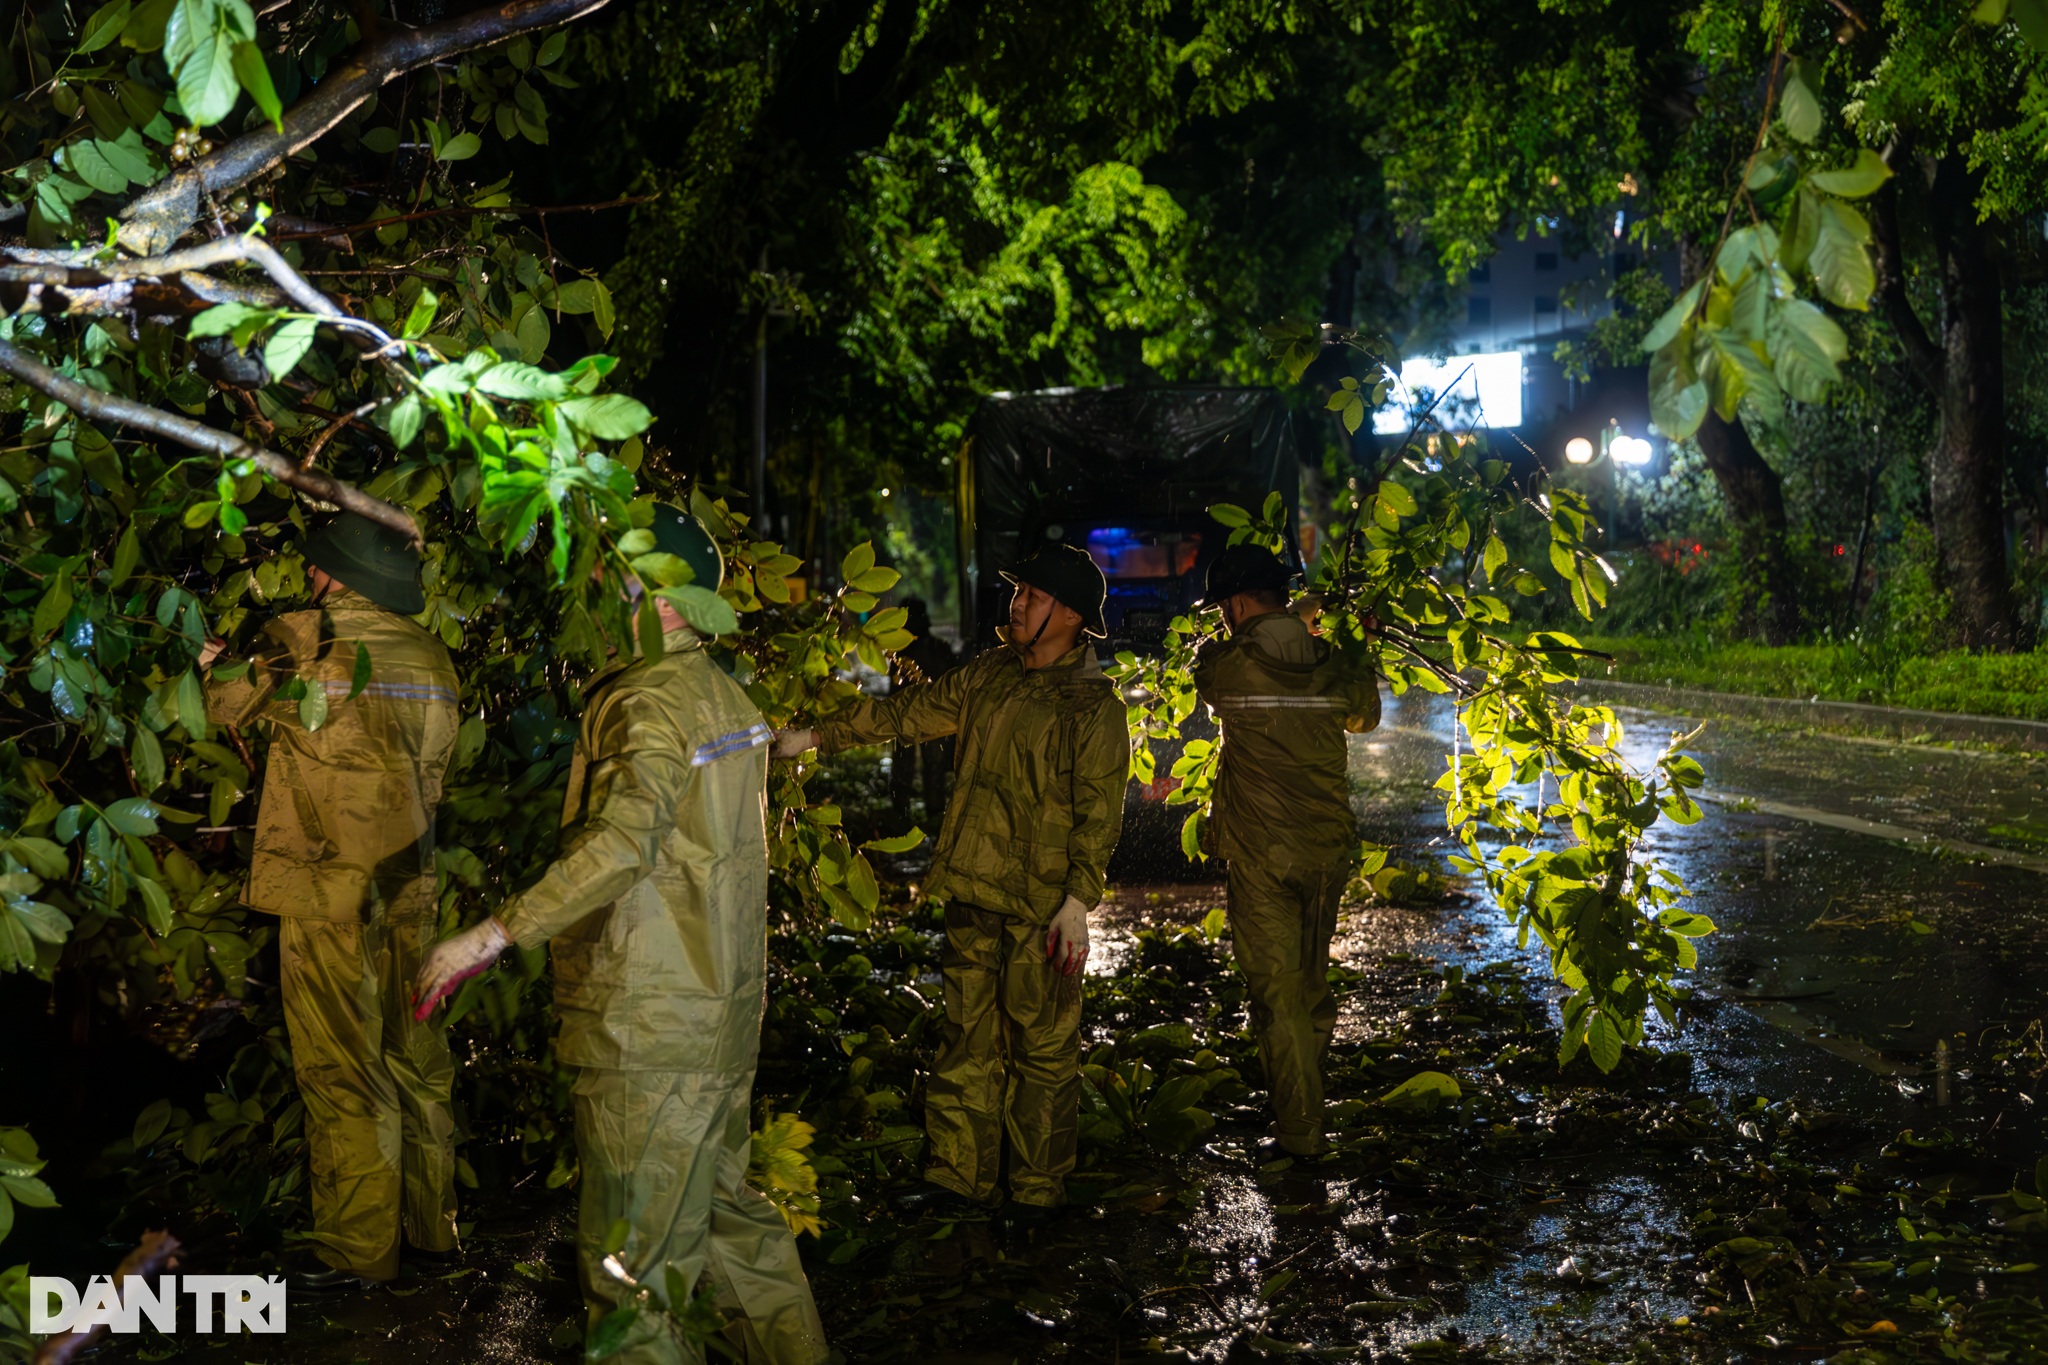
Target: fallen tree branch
(126, 412)
(156, 1253)
(159, 216)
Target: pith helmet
(371, 558)
(678, 533)
(1243, 568)
(1070, 576)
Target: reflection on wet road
(1861, 952)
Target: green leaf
(877, 579)
(1678, 397)
(648, 620)
(1799, 106)
(313, 707)
(104, 25)
(90, 164)
(146, 757)
(1423, 1093)
(126, 553)
(858, 561)
(125, 153)
(1603, 1042)
(608, 417)
(461, 147)
(861, 884)
(602, 314)
(381, 141)
(254, 76)
(54, 605)
(207, 84)
(360, 677)
(131, 815)
(1807, 349)
(144, 31)
(156, 903)
(1398, 498)
(224, 318)
(288, 345)
(45, 922)
(1229, 514)
(421, 316)
(1667, 326)
(608, 1338)
(1840, 261)
(402, 420)
(517, 380)
(706, 612)
(1865, 177)
(901, 843)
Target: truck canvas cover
(1127, 474)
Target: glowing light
(1579, 450)
(1479, 390)
(1629, 450)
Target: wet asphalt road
(1879, 905)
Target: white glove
(455, 960)
(793, 743)
(1066, 938)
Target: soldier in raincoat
(655, 912)
(344, 856)
(1282, 818)
(1036, 807)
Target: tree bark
(1963, 370)
(107, 407)
(1756, 504)
(1966, 475)
(160, 215)
(1755, 497)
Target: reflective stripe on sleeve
(725, 746)
(1279, 704)
(337, 687)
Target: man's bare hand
(1066, 938)
(793, 743)
(453, 961)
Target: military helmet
(370, 558)
(1071, 578)
(678, 533)
(1243, 568)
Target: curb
(1890, 722)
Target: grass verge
(1957, 681)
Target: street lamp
(1578, 450)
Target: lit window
(1479, 391)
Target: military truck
(1128, 474)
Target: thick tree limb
(162, 214)
(125, 412)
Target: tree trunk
(1966, 471)
(1755, 498)
(1756, 504)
